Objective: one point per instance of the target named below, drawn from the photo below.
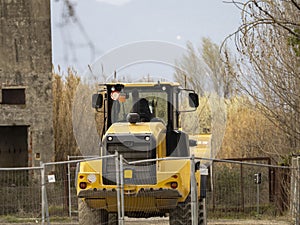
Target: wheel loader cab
(153, 102)
(149, 101)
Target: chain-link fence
(236, 188)
(20, 192)
(248, 187)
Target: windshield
(150, 104)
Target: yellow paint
(128, 174)
(170, 171)
(154, 128)
(203, 148)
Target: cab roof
(143, 84)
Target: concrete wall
(25, 62)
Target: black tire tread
(202, 212)
(88, 216)
(113, 219)
(182, 214)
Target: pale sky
(102, 25)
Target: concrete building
(26, 124)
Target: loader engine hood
(139, 141)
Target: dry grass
(238, 127)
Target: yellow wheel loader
(141, 127)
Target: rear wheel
(201, 212)
(113, 219)
(88, 216)
(182, 214)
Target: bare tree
(268, 67)
(190, 71)
(204, 70)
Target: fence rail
(46, 192)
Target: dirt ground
(164, 221)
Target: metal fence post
(118, 186)
(43, 191)
(297, 191)
(297, 221)
(45, 211)
(122, 190)
(294, 205)
(194, 206)
(69, 188)
(257, 199)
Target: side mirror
(97, 101)
(193, 100)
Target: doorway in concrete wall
(13, 146)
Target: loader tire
(89, 216)
(182, 214)
(113, 219)
(202, 212)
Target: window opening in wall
(13, 96)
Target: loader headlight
(91, 178)
(109, 138)
(147, 138)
